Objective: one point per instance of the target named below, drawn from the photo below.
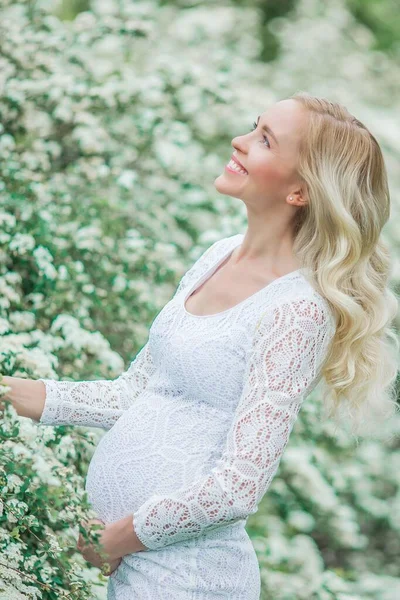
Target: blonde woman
(198, 423)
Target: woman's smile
(233, 167)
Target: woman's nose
(240, 143)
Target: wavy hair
(338, 239)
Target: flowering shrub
(41, 502)
(113, 127)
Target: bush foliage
(115, 119)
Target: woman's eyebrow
(266, 128)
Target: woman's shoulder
(217, 249)
(313, 297)
(296, 299)
(225, 243)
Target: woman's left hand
(92, 555)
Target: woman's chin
(220, 185)
(223, 186)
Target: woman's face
(270, 163)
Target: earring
(290, 197)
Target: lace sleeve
(97, 403)
(284, 364)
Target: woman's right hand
(26, 395)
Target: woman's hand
(101, 558)
(116, 539)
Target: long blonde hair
(338, 238)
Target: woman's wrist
(122, 538)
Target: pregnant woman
(198, 423)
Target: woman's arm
(97, 403)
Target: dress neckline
(211, 270)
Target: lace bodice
(214, 396)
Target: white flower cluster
(114, 127)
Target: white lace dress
(196, 429)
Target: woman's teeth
(235, 167)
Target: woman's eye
(264, 136)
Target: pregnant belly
(155, 447)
